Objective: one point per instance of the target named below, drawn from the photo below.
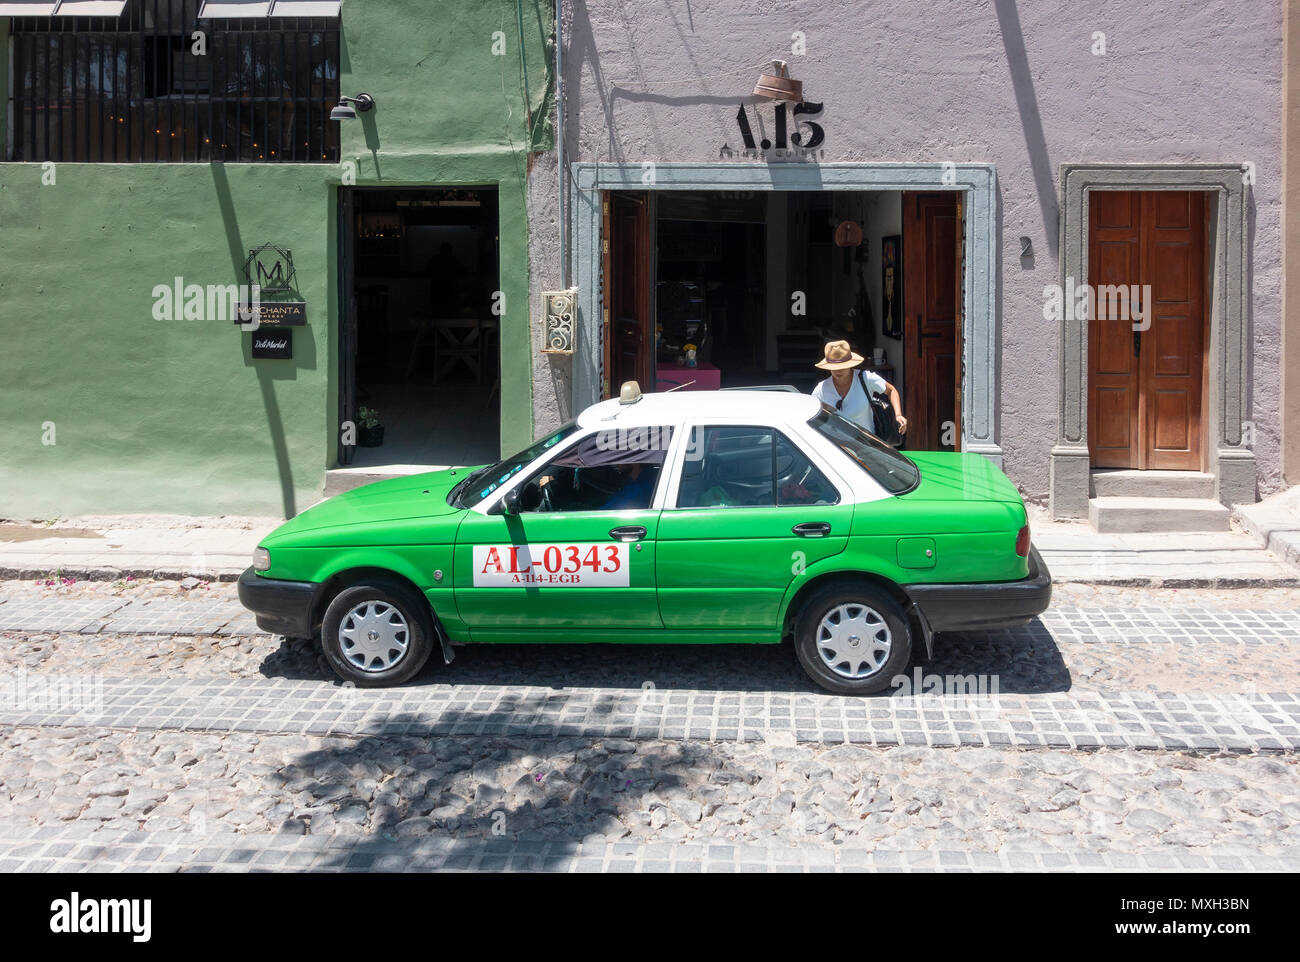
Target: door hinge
(604, 245)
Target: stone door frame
(980, 329)
(1227, 433)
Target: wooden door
(932, 293)
(1146, 335)
(629, 326)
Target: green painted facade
(175, 416)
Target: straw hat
(839, 356)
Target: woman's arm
(897, 402)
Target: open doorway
(421, 339)
(725, 289)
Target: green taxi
(710, 517)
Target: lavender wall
(1017, 86)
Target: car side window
(743, 466)
(797, 479)
(611, 470)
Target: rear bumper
(972, 607)
(282, 607)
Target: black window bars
(160, 85)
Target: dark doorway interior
(710, 290)
(425, 348)
(757, 282)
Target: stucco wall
(1017, 86)
(175, 416)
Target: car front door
(750, 509)
(575, 552)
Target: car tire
(377, 634)
(829, 621)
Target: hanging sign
(273, 344)
(292, 313)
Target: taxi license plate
(556, 565)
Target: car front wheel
(378, 634)
(852, 639)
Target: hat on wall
(839, 356)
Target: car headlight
(261, 559)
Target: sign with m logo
(271, 268)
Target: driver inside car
(636, 486)
(632, 485)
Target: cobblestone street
(150, 726)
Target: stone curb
(56, 848)
(36, 573)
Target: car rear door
(748, 509)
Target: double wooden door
(1147, 329)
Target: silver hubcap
(853, 641)
(374, 636)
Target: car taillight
(1022, 542)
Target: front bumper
(974, 607)
(282, 607)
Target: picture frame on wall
(891, 285)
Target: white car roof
(764, 407)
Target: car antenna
(680, 386)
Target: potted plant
(370, 433)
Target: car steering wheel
(546, 504)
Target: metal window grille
(134, 89)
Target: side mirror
(510, 503)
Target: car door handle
(812, 529)
(628, 532)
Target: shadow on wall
(582, 52)
(1022, 81)
(265, 376)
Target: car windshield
(479, 484)
(893, 472)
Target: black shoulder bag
(882, 412)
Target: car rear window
(893, 472)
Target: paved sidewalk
(219, 549)
(105, 549)
(1274, 523)
(1224, 559)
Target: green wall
(175, 416)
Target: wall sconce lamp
(1026, 247)
(778, 85)
(364, 103)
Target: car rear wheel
(852, 639)
(377, 634)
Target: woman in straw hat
(845, 391)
